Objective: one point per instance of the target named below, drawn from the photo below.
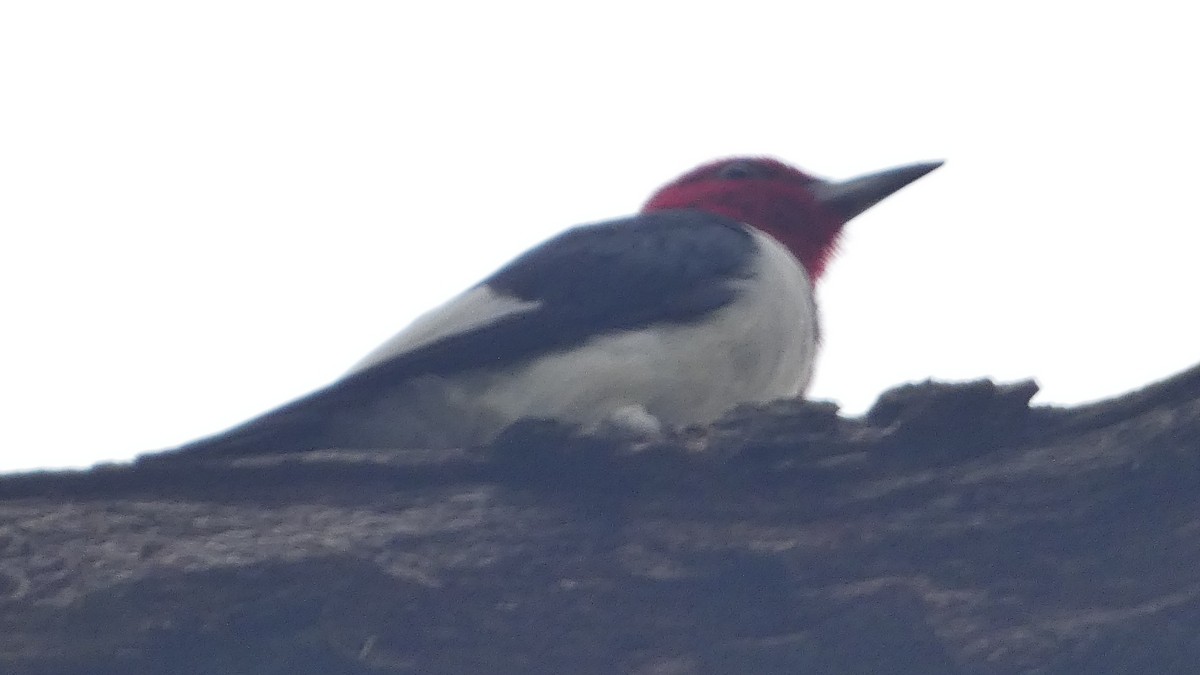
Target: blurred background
(207, 209)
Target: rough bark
(954, 529)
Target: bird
(702, 301)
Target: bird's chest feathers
(759, 347)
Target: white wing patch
(477, 307)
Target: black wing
(672, 266)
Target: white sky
(207, 209)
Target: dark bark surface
(954, 529)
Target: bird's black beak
(849, 198)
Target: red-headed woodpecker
(701, 302)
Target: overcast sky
(210, 208)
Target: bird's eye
(737, 171)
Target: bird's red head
(764, 193)
(804, 213)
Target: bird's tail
(345, 415)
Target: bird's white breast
(760, 347)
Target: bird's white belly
(758, 348)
